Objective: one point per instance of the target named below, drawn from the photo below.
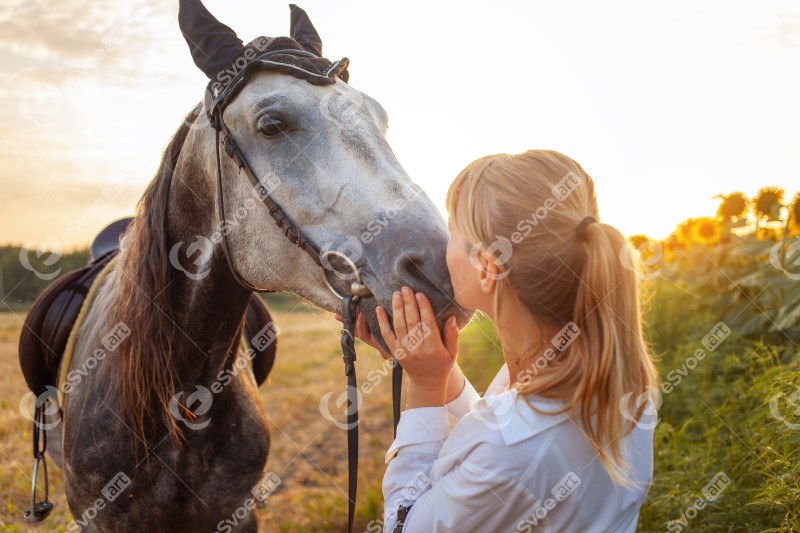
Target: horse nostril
(410, 270)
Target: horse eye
(272, 127)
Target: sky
(664, 103)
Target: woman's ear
(488, 274)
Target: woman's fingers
(426, 313)
(362, 328)
(398, 310)
(386, 329)
(451, 336)
(410, 307)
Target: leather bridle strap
(349, 357)
(397, 390)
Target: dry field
(308, 451)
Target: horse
(136, 451)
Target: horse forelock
(145, 366)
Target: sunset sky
(665, 104)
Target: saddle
(53, 315)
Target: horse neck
(208, 311)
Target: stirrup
(39, 510)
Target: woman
(563, 438)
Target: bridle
(224, 137)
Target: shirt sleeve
(467, 498)
(463, 403)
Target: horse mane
(145, 365)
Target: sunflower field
(723, 318)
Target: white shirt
(504, 468)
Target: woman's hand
(455, 380)
(426, 358)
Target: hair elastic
(582, 225)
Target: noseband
(225, 138)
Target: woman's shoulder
(512, 436)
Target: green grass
(718, 418)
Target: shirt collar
(515, 418)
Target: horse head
(317, 146)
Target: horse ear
(212, 44)
(302, 31)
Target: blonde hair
(557, 275)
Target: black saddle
(50, 320)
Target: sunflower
(733, 206)
(683, 233)
(706, 230)
(794, 216)
(768, 234)
(668, 247)
(766, 201)
(638, 240)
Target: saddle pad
(49, 322)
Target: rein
(225, 138)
